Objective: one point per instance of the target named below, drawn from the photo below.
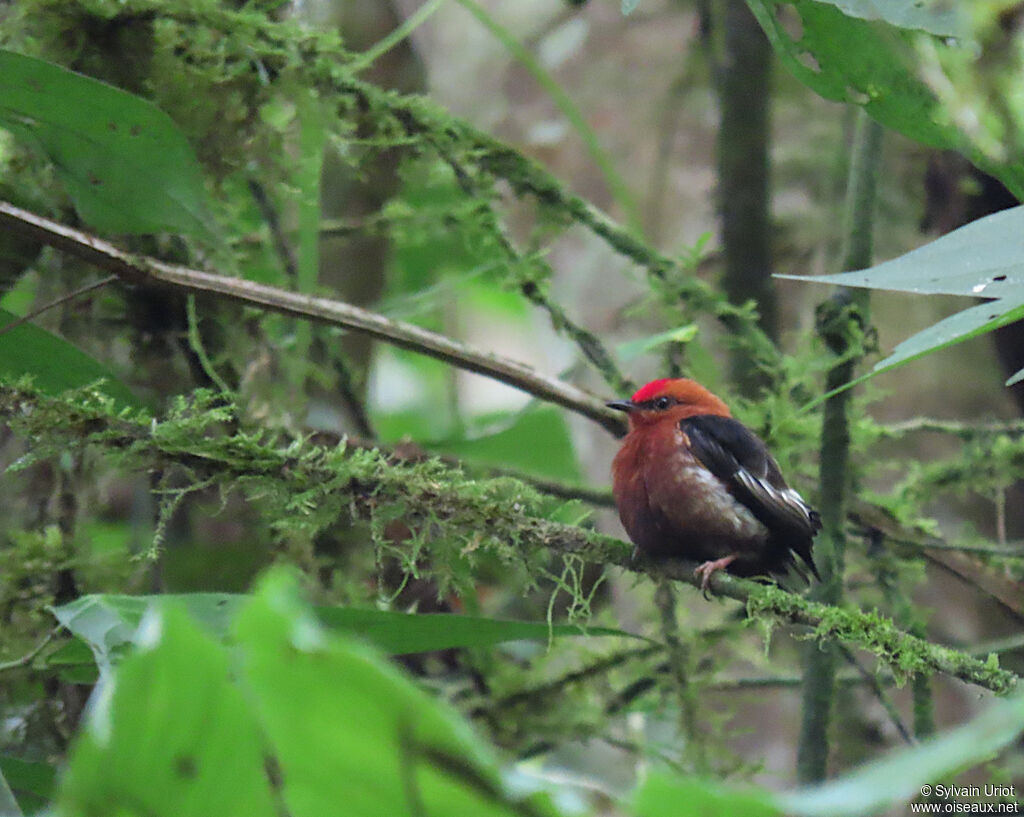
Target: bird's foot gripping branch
(308, 487)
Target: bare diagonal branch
(139, 269)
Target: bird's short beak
(621, 405)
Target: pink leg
(705, 570)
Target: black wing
(736, 456)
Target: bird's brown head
(669, 399)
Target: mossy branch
(314, 482)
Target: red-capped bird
(692, 483)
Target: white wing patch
(785, 500)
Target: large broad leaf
(54, 364)
(873, 64)
(170, 735)
(984, 258)
(107, 623)
(124, 162)
(349, 734)
(290, 719)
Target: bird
(691, 482)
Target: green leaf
(8, 803)
(74, 662)
(536, 441)
(402, 633)
(124, 162)
(169, 735)
(899, 776)
(980, 259)
(107, 623)
(661, 796)
(939, 17)
(955, 329)
(54, 364)
(875, 65)
(345, 727)
(31, 781)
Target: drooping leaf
(170, 734)
(54, 364)
(124, 162)
(982, 259)
(870, 63)
(107, 623)
(348, 732)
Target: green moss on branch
(309, 487)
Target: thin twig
(591, 347)
(277, 236)
(957, 428)
(195, 341)
(678, 667)
(880, 694)
(599, 667)
(70, 296)
(140, 269)
(31, 656)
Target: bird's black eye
(662, 403)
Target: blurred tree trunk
(354, 264)
(743, 82)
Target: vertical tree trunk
(743, 80)
(841, 322)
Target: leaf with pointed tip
(984, 259)
(955, 329)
